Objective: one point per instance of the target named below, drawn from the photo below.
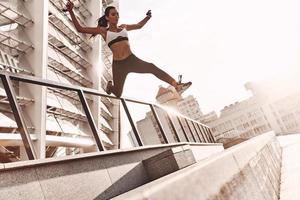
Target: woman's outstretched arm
(79, 28)
(139, 25)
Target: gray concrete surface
(250, 170)
(290, 171)
(99, 175)
(169, 161)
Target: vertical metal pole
(159, 124)
(196, 131)
(173, 127)
(181, 126)
(190, 130)
(206, 134)
(119, 126)
(203, 133)
(135, 131)
(211, 135)
(17, 111)
(90, 119)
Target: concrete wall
(88, 176)
(250, 170)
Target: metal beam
(134, 129)
(159, 124)
(203, 132)
(190, 130)
(181, 126)
(211, 135)
(196, 131)
(173, 127)
(17, 111)
(90, 119)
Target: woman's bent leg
(119, 76)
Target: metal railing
(199, 132)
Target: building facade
(273, 106)
(37, 38)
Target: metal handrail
(7, 77)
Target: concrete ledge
(169, 161)
(250, 170)
(31, 163)
(101, 175)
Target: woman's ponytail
(102, 22)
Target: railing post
(119, 127)
(159, 124)
(181, 126)
(211, 135)
(200, 133)
(173, 127)
(135, 131)
(196, 131)
(190, 130)
(203, 133)
(90, 119)
(17, 111)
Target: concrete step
(100, 175)
(250, 170)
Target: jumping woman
(124, 61)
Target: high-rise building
(273, 106)
(37, 38)
(189, 107)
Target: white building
(273, 106)
(189, 107)
(39, 39)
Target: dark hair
(102, 21)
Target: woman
(124, 61)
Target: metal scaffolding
(67, 51)
(64, 25)
(79, 6)
(13, 12)
(11, 64)
(12, 43)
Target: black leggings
(121, 68)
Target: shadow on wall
(126, 183)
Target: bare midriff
(120, 50)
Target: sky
(218, 45)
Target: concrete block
(200, 182)
(201, 152)
(20, 184)
(126, 172)
(81, 179)
(169, 161)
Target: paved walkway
(290, 171)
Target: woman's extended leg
(140, 66)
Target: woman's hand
(70, 6)
(149, 14)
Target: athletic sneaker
(181, 87)
(108, 87)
